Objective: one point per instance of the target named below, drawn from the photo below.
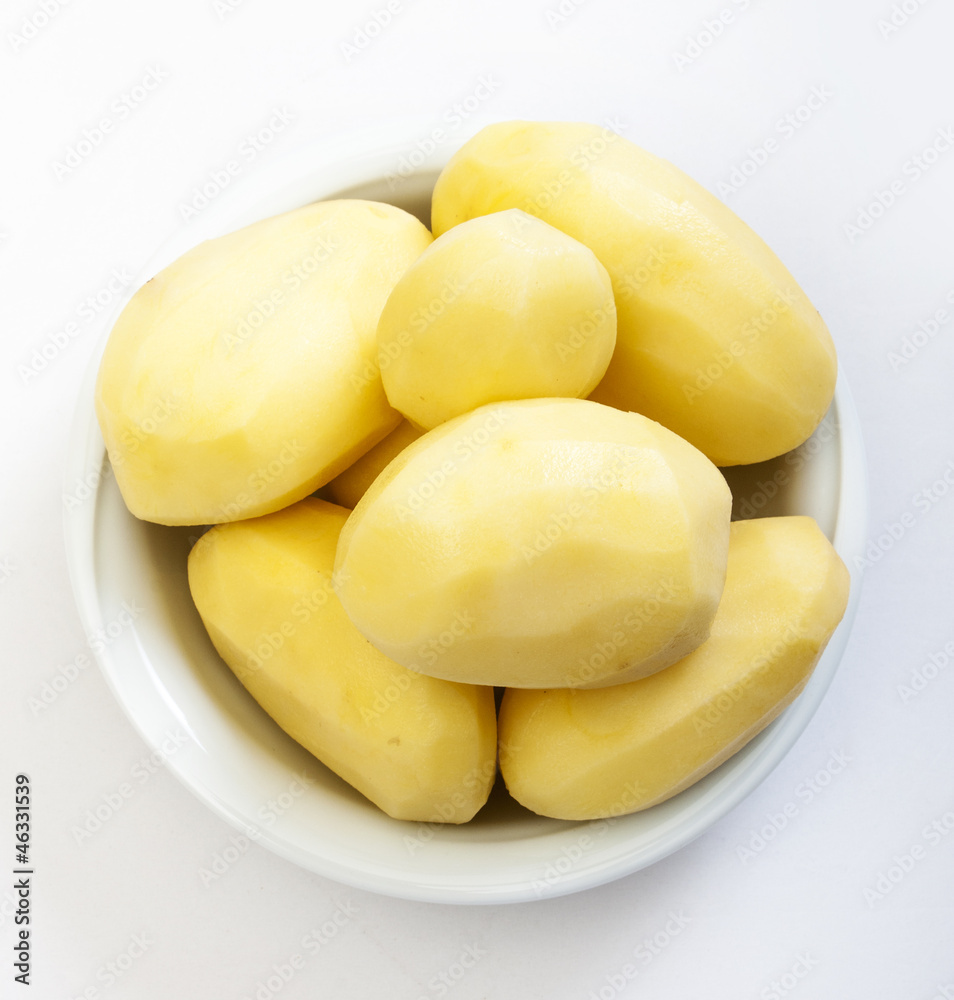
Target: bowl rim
(357, 158)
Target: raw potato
(421, 749)
(351, 485)
(242, 377)
(501, 307)
(544, 542)
(591, 754)
(715, 338)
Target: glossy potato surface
(535, 543)
(501, 307)
(242, 376)
(592, 754)
(419, 748)
(716, 340)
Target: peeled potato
(500, 307)
(242, 377)
(350, 486)
(716, 340)
(536, 543)
(419, 748)
(592, 754)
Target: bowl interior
(129, 577)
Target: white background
(809, 896)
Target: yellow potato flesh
(551, 542)
(592, 754)
(501, 307)
(347, 488)
(242, 376)
(715, 338)
(419, 748)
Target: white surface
(867, 791)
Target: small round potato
(501, 307)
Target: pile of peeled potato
(526, 412)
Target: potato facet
(535, 543)
(591, 754)
(242, 376)
(716, 340)
(419, 748)
(501, 307)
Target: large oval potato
(715, 340)
(500, 307)
(591, 754)
(419, 748)
(242, 376)
(535, 543)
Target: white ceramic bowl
(129, 579)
